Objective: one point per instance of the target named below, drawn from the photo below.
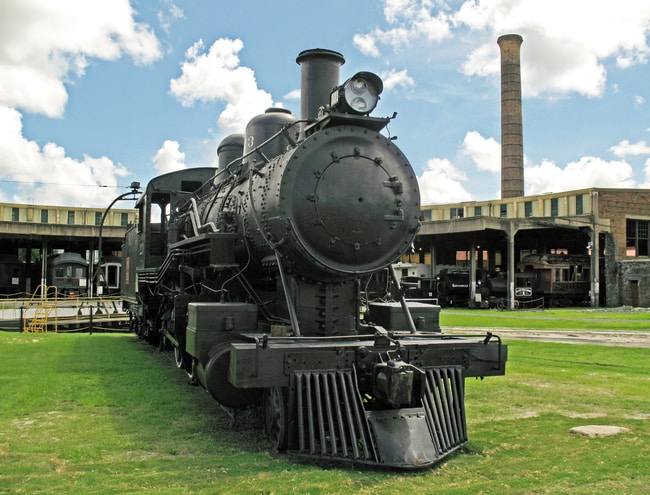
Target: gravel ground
(612, 338)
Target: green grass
(550, 319)
(108, 414)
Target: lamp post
(132, 194)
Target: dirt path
(613, 338)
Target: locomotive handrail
(257, 148)
(196, 222)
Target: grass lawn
(628, 319)
(106, 414)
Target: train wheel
(275, 417)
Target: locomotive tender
(252, 272)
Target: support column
(91, 270)
(43, 283)
(434, 268)
(511, 267)
(472, 275)
(594, 269)
(595, 252)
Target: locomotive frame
(253, 275)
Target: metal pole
(135, 189)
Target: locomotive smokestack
(512, 147)
(319, 76)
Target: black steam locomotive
(252, 272)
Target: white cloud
(565, 43)
(43, 43)
(169, 158)
(292, 95)
(394, 9)
(646, 184)
(587, 172)
(410, 21)
(216, 75)
(366, 44)
(46, 174)
(171, 13)
(625, 148)
(441, 182)
(485, 152)
(394, 78)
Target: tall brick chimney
(512, 146)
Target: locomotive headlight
(359, 94)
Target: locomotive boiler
(252, 273)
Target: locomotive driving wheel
(275, 417)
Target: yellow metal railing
(44, 308)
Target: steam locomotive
(252, 273)
(561, 279)
(555, 279)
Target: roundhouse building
(583, 246)
(29, 234)
(610, 226)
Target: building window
(478, 211)
(456, 213)
(426, 215)
(15, 214)
(579, 206)
(45, 216)
(124, 219)
(98, 218)
(70, 217)
(503, 210)
(555, 209)
(528, 209)
(637, 238)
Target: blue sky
(95, 94)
